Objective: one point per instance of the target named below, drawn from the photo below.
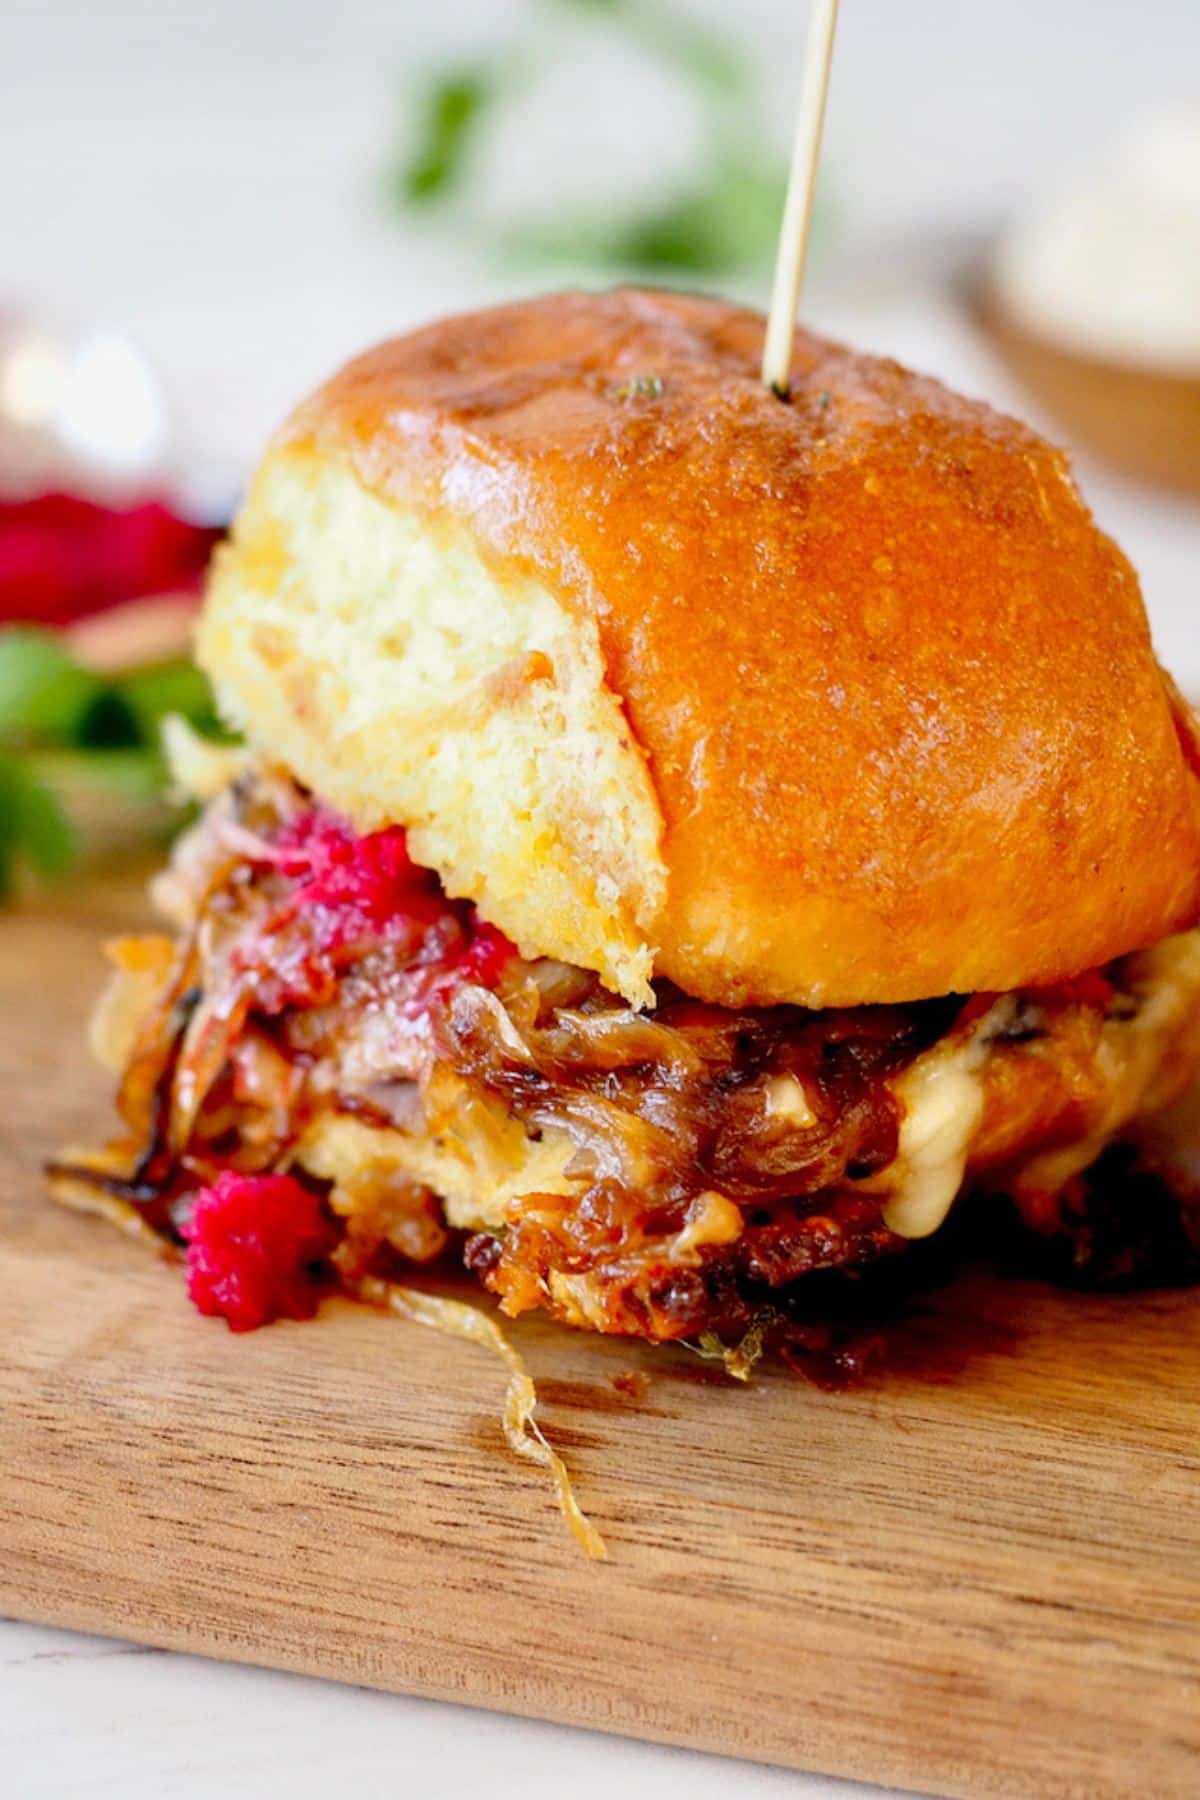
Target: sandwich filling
(327, 1024)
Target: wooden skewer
(797, 211)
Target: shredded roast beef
(669, 1107)
(717, 1155)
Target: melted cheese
(487, 1161)
(942, 1096)
(786, 1099)
(711, 1220)
(1144, 1062)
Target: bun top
(831, 700)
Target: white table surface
(85, 1719)
(207, 177)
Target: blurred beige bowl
(1144, 420)
(1092, 297)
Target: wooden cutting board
(975, 1579)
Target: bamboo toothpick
(797, 211)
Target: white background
(211, 178)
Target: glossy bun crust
(888, 718)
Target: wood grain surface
(978, 1576)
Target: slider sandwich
(686, 840)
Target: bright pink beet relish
(484, 956)
(254, 1242)
(352, 893)
(370, 883)
(63, 557)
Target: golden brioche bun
(837, 700)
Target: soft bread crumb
(372, 650)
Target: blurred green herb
(452, 109)
(153, 693)
(44, 694)
(639, 387)
(726, 222)
(66, 731)
(34, 829)
(722, 217)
